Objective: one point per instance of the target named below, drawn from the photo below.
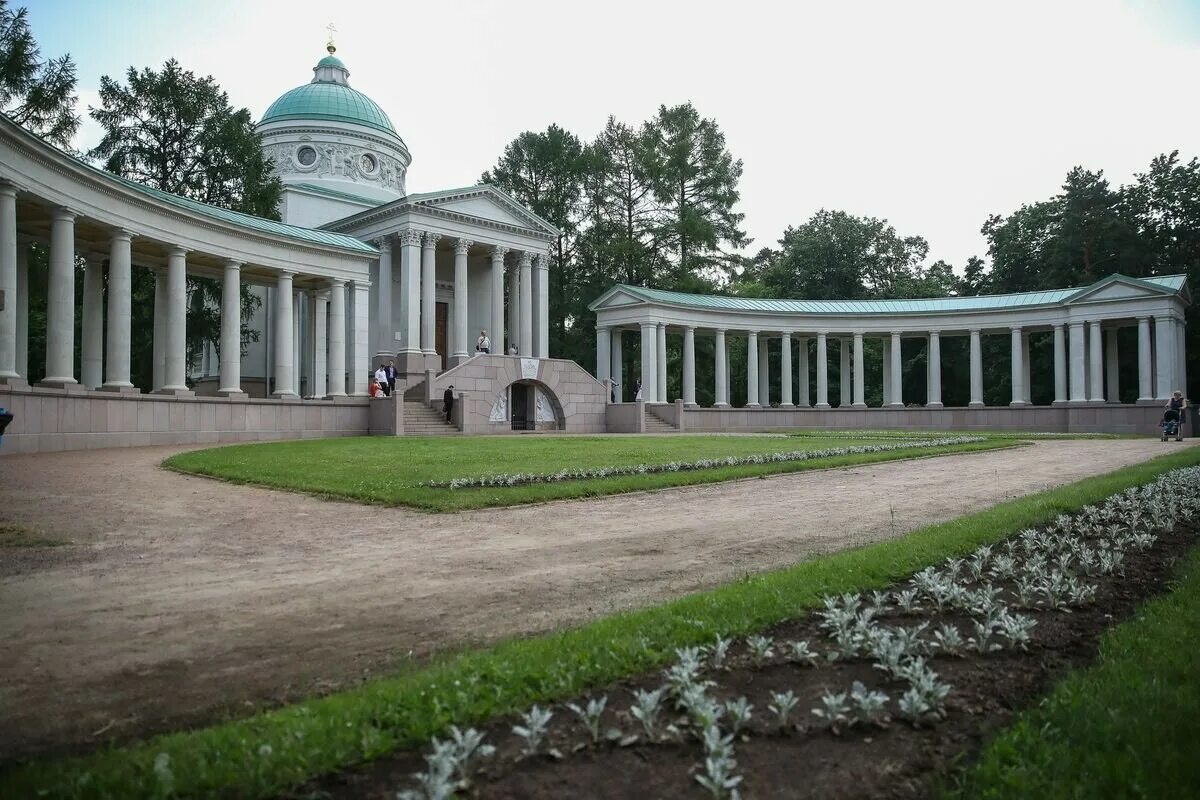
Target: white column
(649, 349)
(385, 328)
(1164, 356)
(1078, 389)
(720, 372)
(496, 332)
(337, 339)
(1017, 369)
(858, 380)
(786, 376)
(1145, 362)
(159, 345)
(120, 310)
(410, 292)
(1095, 364)
(321, 343)
(231, 330)
(514, 305)
(525, 342)
(1060, 364)
(618, 364)
(175, 349)
(22, 358)
(822, 371)
(934, 369)
(1112, 367)
(805, 400)
(689, 366)
(360, 363)
(60, 301)
(1181, 356)
(845, 379)
(1028, 384)
(752, 370)
(459, 349)
(603, 354)
(298, 341)
(896, 396)
(976, 371)
(91, 341)
(284, 351)
(8, 282)
(886, 361)
(541, 333)
(660, 361)
(764, 372)
(428, 293)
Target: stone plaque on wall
(529, 369)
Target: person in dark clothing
(390, 371)
(448, 401)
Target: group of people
(384, 382)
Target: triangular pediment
(1117, 287)
(616, 297)
(484, 202)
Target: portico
(1083, 323)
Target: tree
(37, 94)
(621, 203)
(695, 184)
(177, 132)
(545, 171)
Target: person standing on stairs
(390, 371)
(448, 401)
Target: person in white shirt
(381, 379)
(483, 344)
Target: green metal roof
(329, 101)
(331, 61)
(334, 193)
(994, 302)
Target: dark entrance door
(522, 407)
(439, 336)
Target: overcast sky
(932, 115)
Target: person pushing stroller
(1172, 421)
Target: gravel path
(182, 600)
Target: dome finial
(329, 44)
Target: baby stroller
(1172, 424)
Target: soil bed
(899, 761)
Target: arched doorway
(533, 407)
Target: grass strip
(272, 751)
(1124, 728)
(389, 472)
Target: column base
(120, 388)
(692, 404)
(894, 405)
(822, 405)
(236, 394)
(1058, 403)
(975, 404)
(13, 381)
(786, 405)
(753, 405)
(173, 391)
(858, 405)
(1017, 404)
(720, 405)
(1097, 402)
(1146, 401)
(289, 396)
(65, 384)
(934, 405)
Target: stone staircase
(655, 424)
(420, 419)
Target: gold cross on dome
(332, 30)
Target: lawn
(391, 471)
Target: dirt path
(184, 599)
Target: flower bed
(588, 473)
(871, 696)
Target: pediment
(616, 297)
(486, 203)
(1117, 287)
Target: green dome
(329, 101)
(331, 61)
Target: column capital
(177, 250)
(285, 273)
(603, 327)
(1060, 325)
(1015, 328)
(935, 332)
(720, 330)
(461, 246)
(823, 333)
(430, 240)
(8, 189)
(1143, 318)
(1076, 323)
(64, 214)
(410, 236)
(122, 233)
(525, 258)
(691, 328)
(543, 261)
(973, 331)
(233, 263)
(384, 243)
(895, 334)
(337, 283)
(499, 251)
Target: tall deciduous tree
(38, 94)
(695, 180)
(178, 132)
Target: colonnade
(414, 325)
(1085, 363)
(105, 336)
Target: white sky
(930, 114)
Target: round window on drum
(368, 163)
(306, 155)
